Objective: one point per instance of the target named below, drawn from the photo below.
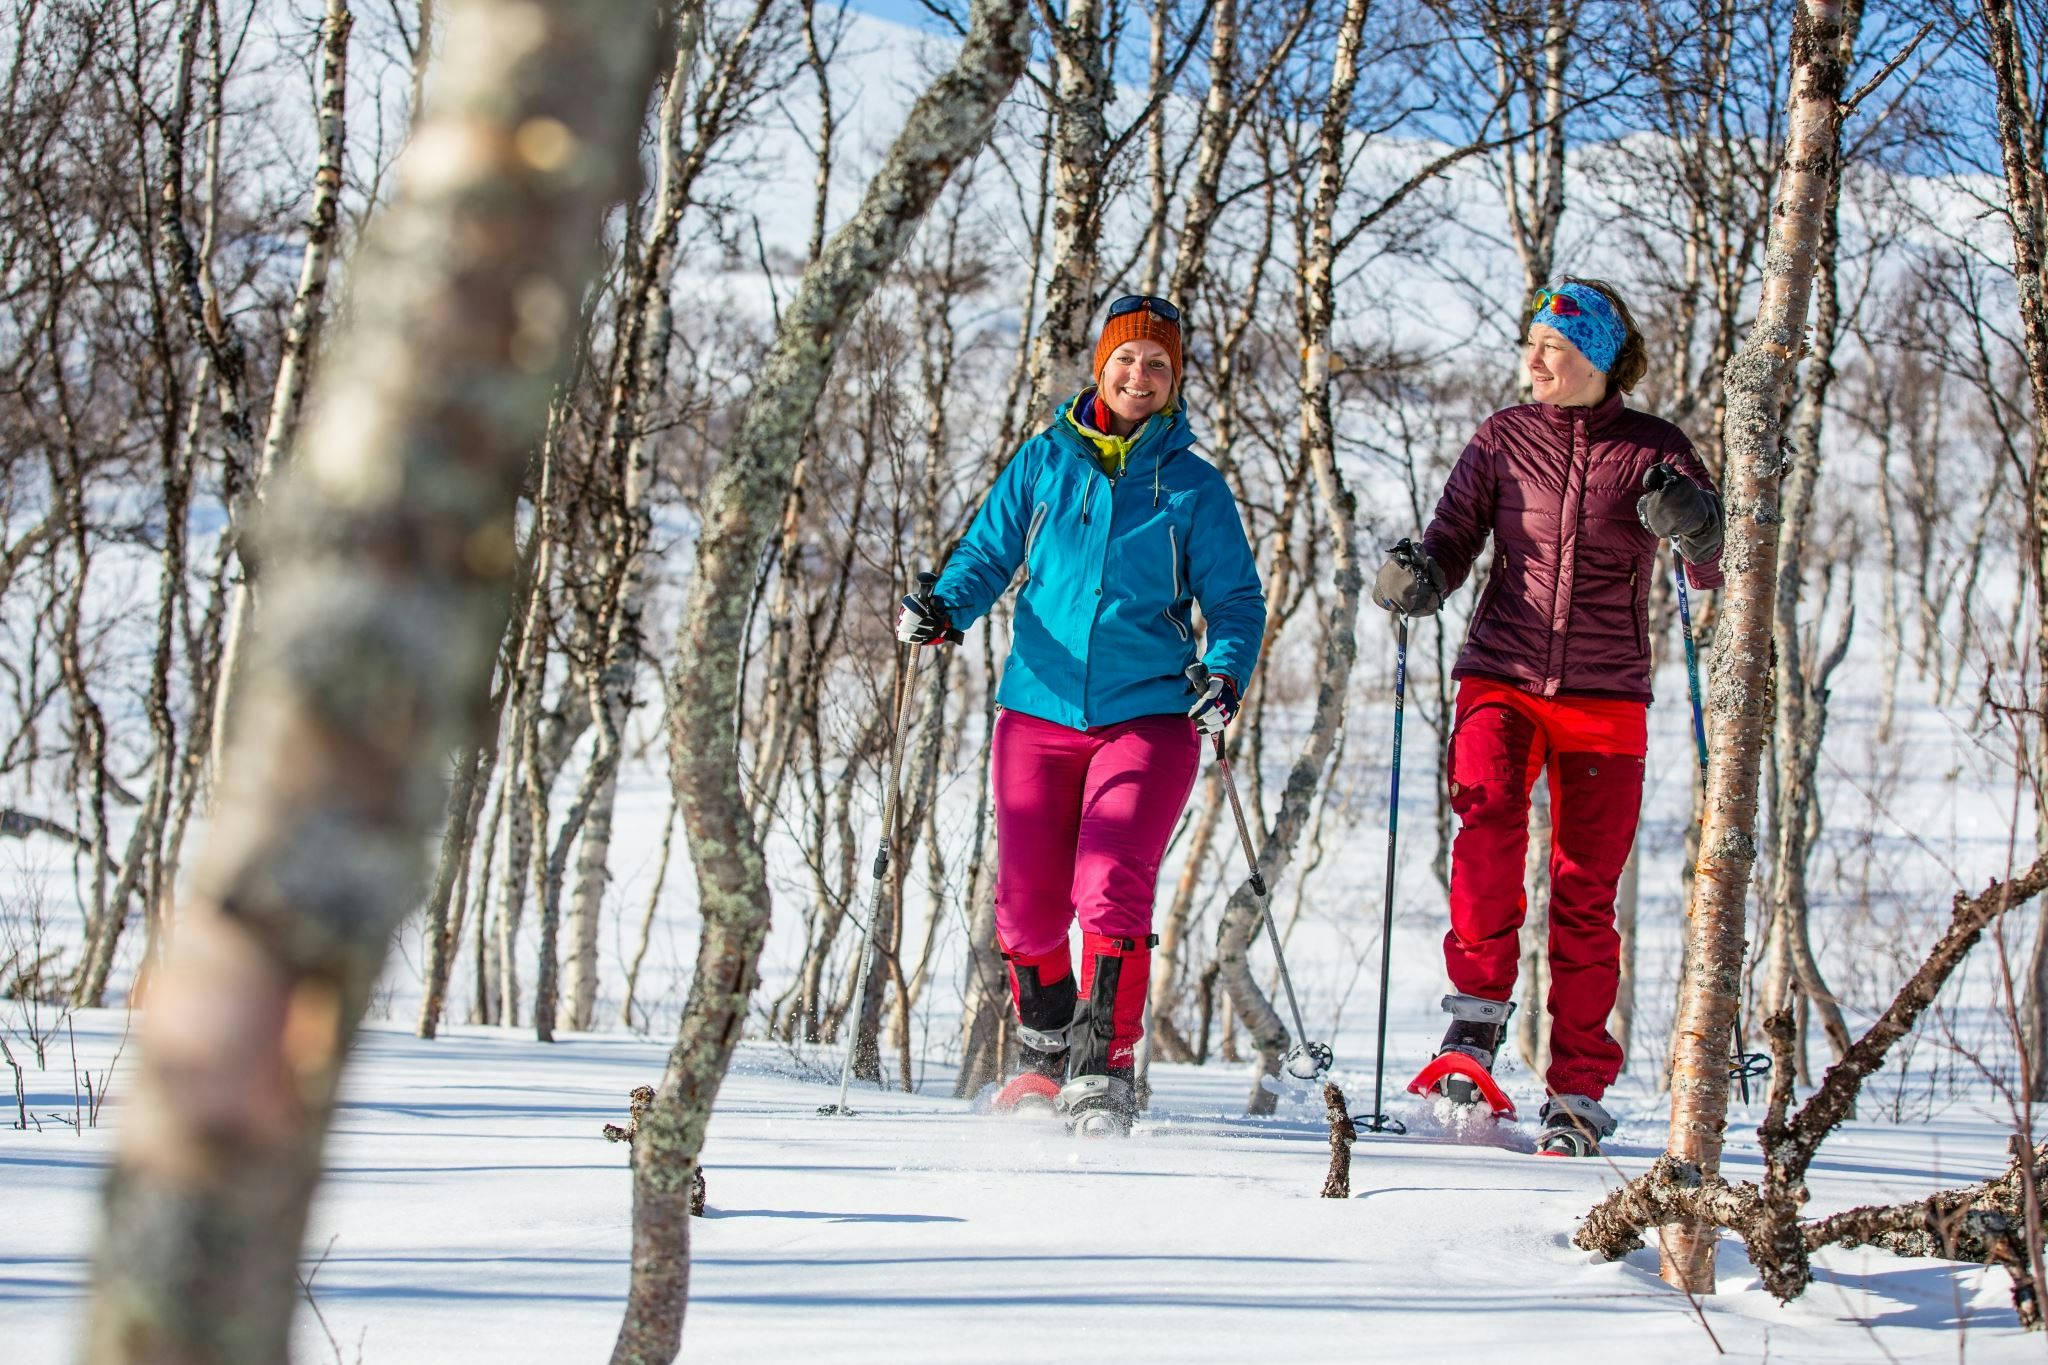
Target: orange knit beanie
(1140, 325)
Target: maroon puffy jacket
(1566, 607)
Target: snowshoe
(1462, 1071)
(1573, 1126)
(1099, 1106)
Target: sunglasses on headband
(1147, 303)
(1563, 305)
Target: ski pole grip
(1658, 475)
(1197, 674)
(927, 582)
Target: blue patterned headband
(1585, 318)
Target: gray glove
(1410, 582)
(1676, 508)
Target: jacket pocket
(1493, 577)
(1031, 534)
(1173, 577)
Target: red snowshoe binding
(1573, 1126)
(1462, 1071)
(1043, 989)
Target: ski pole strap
(1744, 1067)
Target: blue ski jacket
(1104, 631)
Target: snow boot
(1573, 1126)
(1478, 1028)
(1098, 1099)
(1043, 988)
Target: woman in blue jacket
(1120, 530)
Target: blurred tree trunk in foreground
(390, 546)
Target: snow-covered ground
(473, 1212)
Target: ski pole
(1317, 1057)
(1378, 1121)
(1653, 481)
(1692, 659)
(907, 669)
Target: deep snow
(474, 1213)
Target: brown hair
(1634, 359)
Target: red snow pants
(1082, 821)
(1594, 750)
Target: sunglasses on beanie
(1563, 305)
(1145, 303)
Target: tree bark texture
(1317, 304)
(1081, 92)
(1755, 383)
(391, 548)
(2026, 194)
(302, 333)
(948, 124)
(1802, 691)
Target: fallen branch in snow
(1983, 1223)
(1337, 1184)
(637, 1105)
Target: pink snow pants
(1082, 821)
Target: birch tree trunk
(391, 547)
(641, 369)
(987, 998)
(948, 124)
(1081, 92)
(1317, 306)
(1529, 74)
(1755, 383)
(302, 333)
(2026, 192)
(1802, 694)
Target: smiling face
(1137, 381)
(1558, 372)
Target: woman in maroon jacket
(1555, 674)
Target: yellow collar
(1112, 452)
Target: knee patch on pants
(1115, 974)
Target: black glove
(1676, 508)
(1410, 582)
(923, 620)
(1217, 706)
